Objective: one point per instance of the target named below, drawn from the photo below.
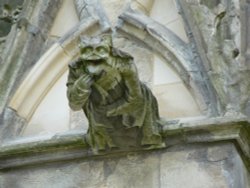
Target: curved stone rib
(21, 50)
(20, 42)
(245, 30)
(175, 51)
(157, 38)
(199, 59)
(214, 31)
(50, 66)
(92, 8)
(245, 50)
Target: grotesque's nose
(95, 52)
(95, 55)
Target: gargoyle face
(96, 48)
(95, 53)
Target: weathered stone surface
(75, 175)
(134, 170)
(78, 121)
(72, 145)
(214, 30)
(12, 124)
(180, 166)
(144, 63)
(22, 49)
(190, 168)
(121, 110)
(113, 8)
(7, 9)
(87, 9)
(176, 52)
(197, 165)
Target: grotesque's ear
(107, 39)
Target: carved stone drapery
(122, 111)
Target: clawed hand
(84, 82)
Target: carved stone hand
(82, 84)
(78, 93)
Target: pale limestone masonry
(201, 153)
(193, 54)
(205, 166)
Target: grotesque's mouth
(94, 67)
(94, 58)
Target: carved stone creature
(121, 110)
(8, 17)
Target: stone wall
(204, 47)
(211, 154)
(215, 165)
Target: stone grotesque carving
(121, 110)
(8, 17)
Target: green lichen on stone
(9, 12)
(122, 111)
(56, 143)
(219, 28)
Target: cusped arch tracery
(53, 64)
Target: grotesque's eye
(102, 50)
(86, 50)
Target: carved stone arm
(130, 76)
(134, 96)
(78, 91)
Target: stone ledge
(72, 145)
